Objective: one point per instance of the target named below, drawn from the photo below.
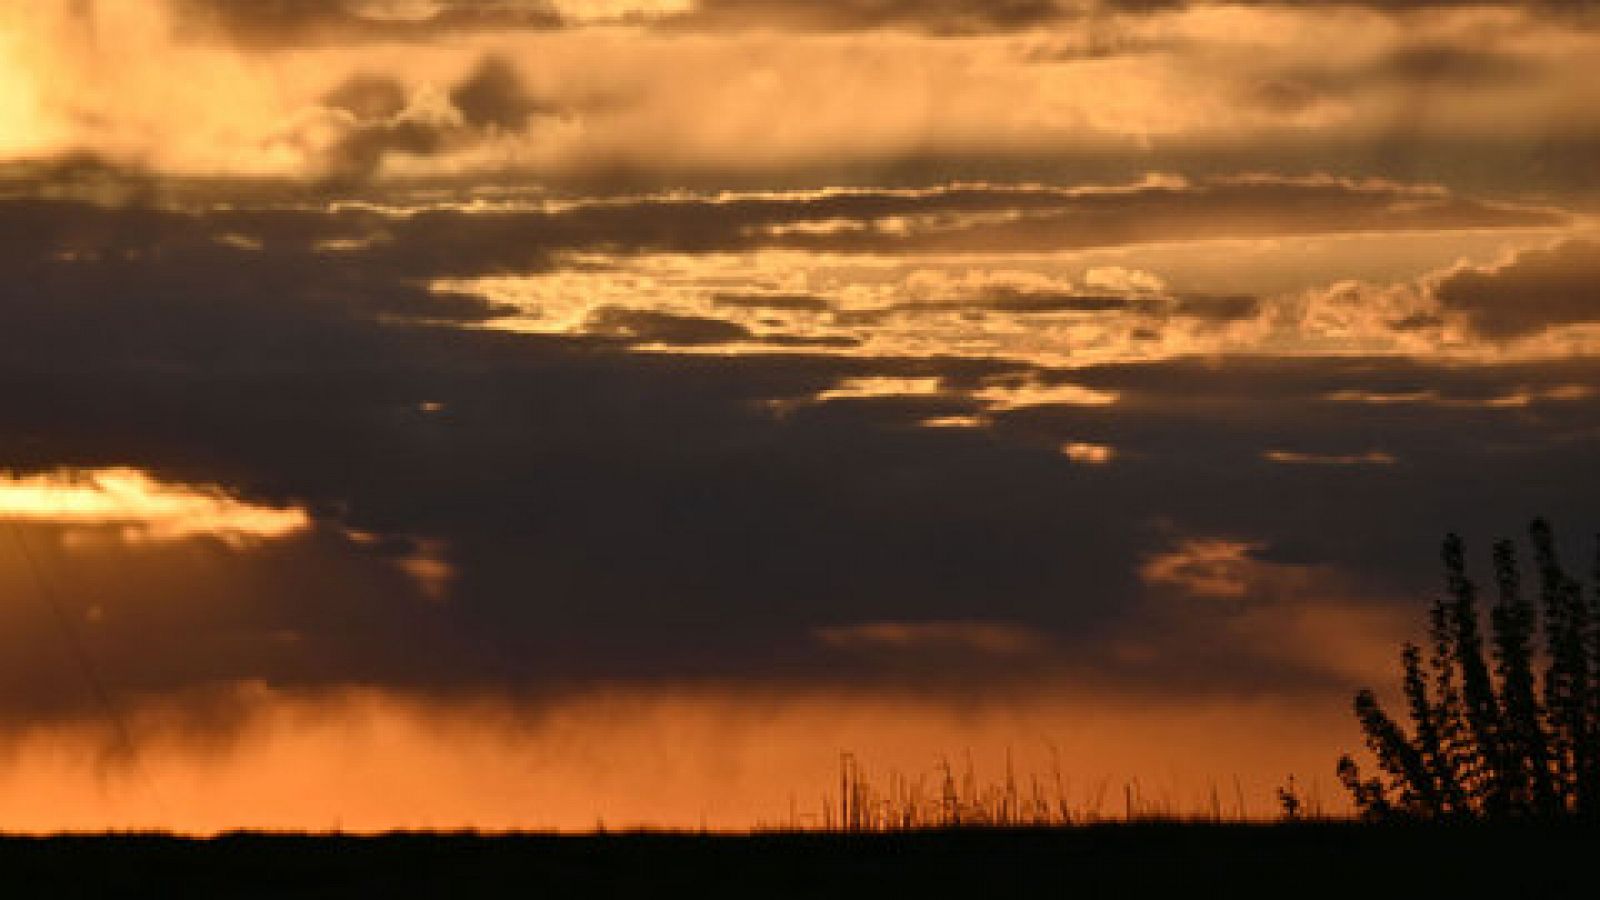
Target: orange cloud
(1089, 453)
(1291, 457)
(990, 638)
(142, 508)
(96, 76)
(1516, 399)
(1226, 569)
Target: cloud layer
(457, 380)
(771, 91)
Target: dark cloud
(362, 264)
(286, 20)
(785, 302)
(641, 326)
(491, 100)
(364, 148)
(166, 285)
(648, 327)
(356, 264)
(950, 17)
(1562, 8)
(1023, 300)
(273, 17)
(1053, 219)
(1415, 68)
(1417, 322)
(276, 22)
(618, 516)
(1537, 290)
(614, 515)
(1436, 63)
(1549, 168)
(962, 17)
(493, 96)
(1026, 301)
(1281, 95)
(1220, 307)
(369, 97)
(440, 240)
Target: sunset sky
(541, 413)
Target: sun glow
(142, 508)
(22, 129)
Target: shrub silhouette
(1492, 741)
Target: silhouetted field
(1140, 860)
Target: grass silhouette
(948, 798)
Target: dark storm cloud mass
(616, 515)
(95, 285)
(596, 540)
(1537, 290)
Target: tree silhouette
(1492, 741)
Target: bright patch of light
(879, 387)
(1374, 458)
(141, 507)
(1089, 454)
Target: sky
(551, 414)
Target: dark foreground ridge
(1140, 860)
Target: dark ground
(1312, 860)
